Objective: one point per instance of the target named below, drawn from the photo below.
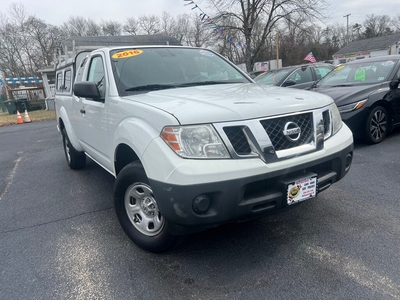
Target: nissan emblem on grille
(292, 131)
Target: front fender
(137, 134)
(70, 131)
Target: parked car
(367, 95)
(254, 74)
(300, 77)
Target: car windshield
(362, 72)
(272, 77)
(148, 69)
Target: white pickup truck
(192, 141)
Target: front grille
(275, 128)
(238, 139)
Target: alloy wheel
(378, 125)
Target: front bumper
(243, 198)
(356, 121)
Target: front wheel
(137, 210)
(377, 125)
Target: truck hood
(230, 102)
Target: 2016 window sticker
(127, 53)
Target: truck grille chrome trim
(276, 138)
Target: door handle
(83, 111)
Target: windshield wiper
(342, 85)
(206, 83)
(151, 87)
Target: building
(372, 47)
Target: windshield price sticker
(301, 190)
(127, 53)
(339, 68)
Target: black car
(300, 77)
(367, 95)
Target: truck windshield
(148, 69)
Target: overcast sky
(57, 12)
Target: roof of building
(377, 43)
(82, 42)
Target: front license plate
(301, 190)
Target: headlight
(352, 106)
(198, 141)
(336, 118)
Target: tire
(137, 210)
(75, 159)
(377, 125)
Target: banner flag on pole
(310, 57)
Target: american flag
(310, 57)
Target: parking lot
(60, 238)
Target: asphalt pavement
(60, 238)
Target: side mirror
(289, 83)
(394, 84)
(314, 85)
(87, 89)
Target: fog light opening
(349, 159)
(201, 204)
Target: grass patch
(35, 116)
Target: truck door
(93, 131)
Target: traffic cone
(19, 118)
(26, 117)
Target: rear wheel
(137, 210)
(377, 125)
(75, 159)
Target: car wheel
(137, 210)
(75, 159)
(377, 125)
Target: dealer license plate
(301, 190)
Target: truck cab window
(96, 74)
(79, 76)
(59, 82)
(67, 81)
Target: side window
(96, 74)
(59, 85)
(301, 75)
(79, 75)
(322, 71)
(67, 80)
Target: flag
(263, 66)
(310, 57)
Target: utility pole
(277, 51)
(347, 32)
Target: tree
(112, 28)
(75, 26)
(45, 38)
(396, 22)
(149, 24)
(245, 13)
(376, 25)
(131, 26)
(26, 42)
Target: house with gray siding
(372, 47)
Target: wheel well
(123, 156)
(61, 124)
